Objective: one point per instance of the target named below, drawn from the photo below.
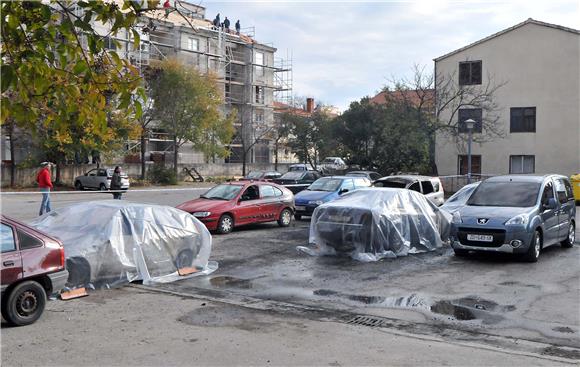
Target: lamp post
(469, 124)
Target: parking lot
(491, 300)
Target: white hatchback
(431, 187)
(99, 179)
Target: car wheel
(460, 252)
(285, 218)
(534, 249)
(102, 187)
(297, 216)
(78, 185)
(184, 259)
(25, 303)
(225, 224)
(569, 241)
(79, 272)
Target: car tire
(297, 216)
(79, 186)
(24, 304)
(460, 252)
(79, 272)
(569, 241)
(102, 187)
(184, 259)
(285, 218)
(534, 249)
(225, 224)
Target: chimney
(309, 105)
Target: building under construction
(250, 75)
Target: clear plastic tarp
(374, 223)
(110, 243)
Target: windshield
(328, 161)
(222, 192)
(255, 174)
(296, 175)
(325, 184)
(507, 194)
(392, 183)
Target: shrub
(158, 174)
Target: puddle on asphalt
(467, 308)
(230, 282)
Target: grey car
(100, 179)
(516, 214)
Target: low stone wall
(27, 176)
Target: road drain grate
(366, 321)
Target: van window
(7, 238)
(569, 190)
(415, 187)
(561, 190)
(547, 194)
(427, 187)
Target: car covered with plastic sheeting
(459, 199)
(110, 243)
(370, 224)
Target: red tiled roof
(282, 107)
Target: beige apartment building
(538, 103)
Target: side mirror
(342, 191)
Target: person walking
(238, 27)
(45, 184)
(116, 183)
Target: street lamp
(469, 125)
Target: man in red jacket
(45, 184)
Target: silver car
(99, 179)
(517, 215)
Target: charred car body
(369, 224)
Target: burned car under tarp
(110, 243)
(374, 223)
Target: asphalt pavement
(270, 304)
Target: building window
(523, 120)
(462, 162)
(192, 44)
(522, 164)
(109, 44)
(259, 116)
(469, 113)
(470, 73)
(259, 61)
(260, 95)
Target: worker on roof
(238, 27)
(227, 24)
(216, 21)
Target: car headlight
(316, 202)
(456, 218)
(518, 220)
(201, 214)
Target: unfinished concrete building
(249, 73)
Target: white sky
(345, 50)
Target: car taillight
(62, 259)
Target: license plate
(301, 208)
(480, 237)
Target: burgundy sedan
(33, 267)
(235, 204)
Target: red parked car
(33, 266)
(234, 204)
